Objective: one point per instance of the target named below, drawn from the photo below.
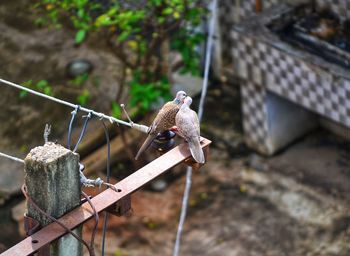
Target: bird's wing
(165, 118)
(145, 145)
(187, 123)
(196, 122)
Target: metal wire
(139, 127)
(31, 201)
(105, 214)
(207, 60)
(12, 158)
(183, 211)
(200, 114)
(70, 127)
(87, 118)
(92, 240)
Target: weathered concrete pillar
(52, 180)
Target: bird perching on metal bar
(187, 126)
(164, 120)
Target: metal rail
(103, 200)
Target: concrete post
(52, 180)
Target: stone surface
(11, 178)
(52, 180)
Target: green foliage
(83, 97)
(119, 253)
(144, 96)
(116, 110)
(79, 80)
(45, 87)
(80, 36)
(136, 31)
(41, 86)
(188, 49)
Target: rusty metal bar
(103, 200)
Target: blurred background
(277, 111)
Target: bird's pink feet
(174, 129)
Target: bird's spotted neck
(177, 101)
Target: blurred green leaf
(42, 84)
(80, 36)
(79, 80)
(48, 91)
(123, 36)
(83, 97)
(168, 11)
(28, 83)
(23, 94)
(116, 110)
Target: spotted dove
(187, 124)
(164, 120)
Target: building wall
(231, 12)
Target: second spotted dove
(187, 126)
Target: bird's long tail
(145, 145)
(196, 150)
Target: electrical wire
(70, 127)
(12, 158)
(105, 214)
(139, 127)
(200, 115)
(93, 234)
(83, 131)
(31, 201)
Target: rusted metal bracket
(121, 208)
(30, 225)
(103, 200)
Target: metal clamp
(30, 225)
(121, 208)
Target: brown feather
(145, 145)
(164, 120)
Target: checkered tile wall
(227, 14)
(292, 78)
(254, 116)
(264, 68)
(227, 18)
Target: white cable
(12, 158)
(200, 114)
(207, 59)
(183, 211)
(139, 127)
